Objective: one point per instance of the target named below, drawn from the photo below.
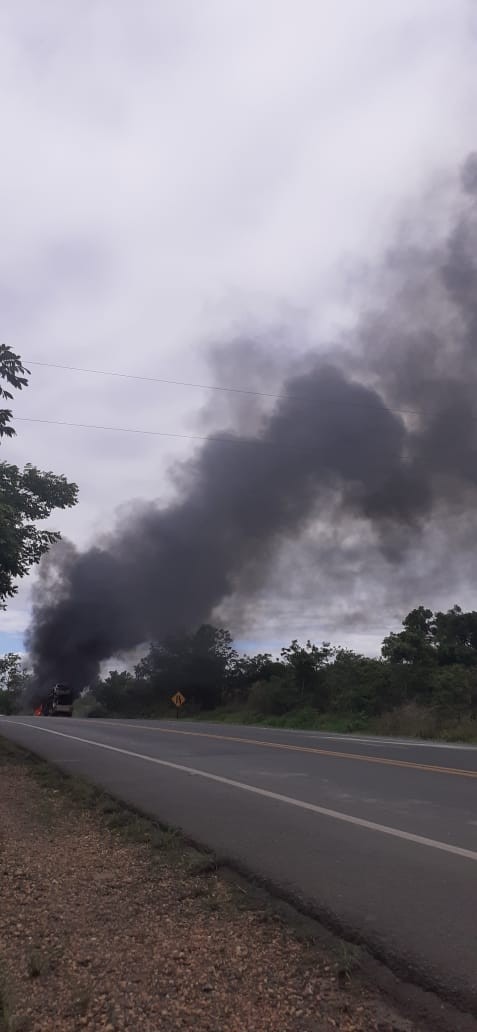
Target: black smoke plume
(385, 425)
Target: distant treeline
(425, 681)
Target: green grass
(407, 721)
(305, 719)
(349, 959)
(200, 863)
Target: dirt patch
(109, 923)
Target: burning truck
(58, 702)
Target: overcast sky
(176, 174)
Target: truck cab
(59, 702)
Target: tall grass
(408, 721)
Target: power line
(208, 386)
(154, 379)
(241, 441)
(247, 442)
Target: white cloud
(14, 620)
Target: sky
(179, 175)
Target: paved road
(377, 835)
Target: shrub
(273, 698)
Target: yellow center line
(313, 750)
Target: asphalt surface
(378, 836)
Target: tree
(308, 663)
(415, 645)
(26, 495)
(454, 693)
(455, 635)
(276, 696)
(197, 664)
(14, 679)
(115, 691)
(245, 671)
(360, 685)
(209, 663)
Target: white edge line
(359, 822)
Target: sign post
(178, 699)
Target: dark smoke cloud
(382, 432)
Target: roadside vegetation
(424, 683)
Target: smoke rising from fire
(385, 425)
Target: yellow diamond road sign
(178, 699)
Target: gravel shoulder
(109, 922)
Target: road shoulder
(113, 922)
